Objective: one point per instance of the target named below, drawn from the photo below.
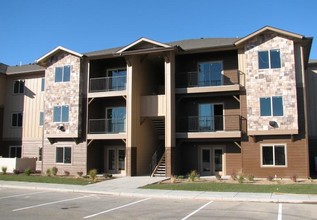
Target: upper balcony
(217, 126)
(198, 82)
(107, 86)
(107, 128)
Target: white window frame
(269, 59)
(71, 155)
(273, 146)
(18, 80)
(271, 106)
(70, 71)
(61, 121)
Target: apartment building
(215, 105)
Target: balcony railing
(106, 84)
(106, 126)
(195, 79)
(209, 123)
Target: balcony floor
(215, 134)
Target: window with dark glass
(269, 59)
(61, 113)
(271, 106)
(41, 118)
(62, 74)
(210, 73)
(15, 151)
(63, 155)
(273, 155)
(16, 119)
(42, 84)
(18, 86)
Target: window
(63, 155)
(42, 84)
(117, 79)
(62, 74)
(116, 119)
(16, 119)
(273, 155)
(40, 153)
(41, 118)
(210, 74)
(269, 59)
(271, 106)
(18, 86)
(61, 113)
(15, 151)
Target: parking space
(33, 204)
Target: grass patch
(236, 187)
(45, 179)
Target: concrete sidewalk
(129, 186)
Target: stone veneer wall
(63, 93)
(271, 82)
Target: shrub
(270, 178)
(218, 177)
(241, 178)
(80, 173)
(250, 178)
(15, 171)
(66, 172)
(27, 172)
(181, 177)
(93, 174)
(4, 170)
(107, 175)
(54, 171)
(48, 172)
(173, 179)
(234, 177)
(193, 175)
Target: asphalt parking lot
(36, 204)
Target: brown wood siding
(233, 159)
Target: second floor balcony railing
(196, 79)
(106, 126)
(106, 84)
(209, 123)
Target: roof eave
(209, 49)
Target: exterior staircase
(160, 169)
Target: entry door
(116, 160)
(206, 161)
(218, 161)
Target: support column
(170, 137)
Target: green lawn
(45, 179)
(237, 187)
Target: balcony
(111, 85)
(219, 126)
(195, 82)
(107, 128)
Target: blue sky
(31, 28)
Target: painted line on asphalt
(280, 211)
(24, 194)
(120, 207)
(50, 203)
(197, 210)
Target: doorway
(212, 161)
(116, 160)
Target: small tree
(4, 170)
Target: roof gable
(265, 29)
(143, 44)
(42, 60)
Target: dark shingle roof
(11, 70)
(186, 45)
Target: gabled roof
(143, 44)
(204, 43)
(268, 28)
(30, 68)
(41, 61)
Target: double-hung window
(15, 151)
(271, 106)
(269, 59)
(273, 155)
(16, 119)
(18, 86)
(62, 74)
(61, 113)
(41, 118)
(64, 155)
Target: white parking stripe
(50, 203)
(279, 215)
(24, 194)
(109, 210)
(197, 210)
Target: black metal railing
(105, 84)
(194, 79)
(106, 126)
(209, 123)
(156, 157)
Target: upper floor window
(61, 113)
(18, 86)
(271, 106)
(42, 84)
(210, 73)
(117, 79)
(269, 59)
(62, 74)
(16, 119)
(41, 118)
(116, 119)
